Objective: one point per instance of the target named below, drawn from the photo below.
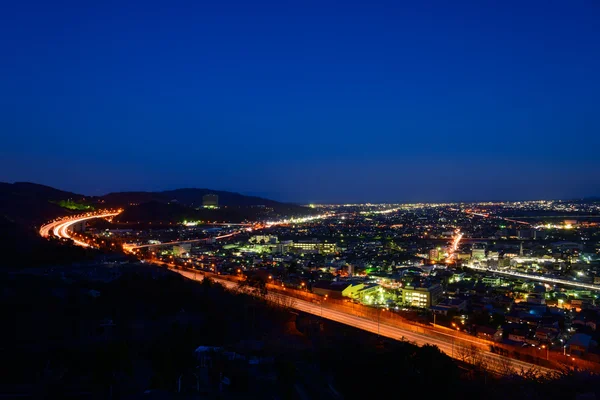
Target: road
(451, 345)
(246, 228)
(61, 228)
(497, 216)
(538, 278)
(458, 348)
(131, 247)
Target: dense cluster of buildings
(485, 280)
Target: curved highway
(61, 228)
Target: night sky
(304, 101)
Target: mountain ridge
(193, 197)
(30, 204)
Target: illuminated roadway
(247, 227)
(448, 343)
(538, 278)
(61, 228)
(128, 247)
(503, 218)
(527, 276)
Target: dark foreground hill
(21, 246)
(131, 331)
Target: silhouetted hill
(31, 204)
(37, 190)
(189, 197)
(193, 198)
(155, 211)
(121, 199)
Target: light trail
(61, 228)
(538, 278)
(247, 228)
(452, 345)
(454, 247)
(288, 221)
(456, 241)
(129, 247)
(527, 276)
(505, 219)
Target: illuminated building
(368, 294)
(478, 251)
(337, 290)
(422, 297)
(449, 306)
(434, 254)
(314, 247)
(525, 234)
(283, 247)
(182, 250)
(210, 200)
(264, 239)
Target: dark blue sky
(304, 101)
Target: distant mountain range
(31, 204)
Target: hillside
(154, 211)
(21, 246)
(186, 204)
(193, 198)
(31, 204)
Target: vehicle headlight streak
(61, 228)
(454, 247)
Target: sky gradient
(304, 101)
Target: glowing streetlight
(325, 298)
(547, 350)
